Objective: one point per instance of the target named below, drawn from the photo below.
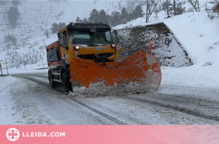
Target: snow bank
(198, 34)
(99, 90)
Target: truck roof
(87, 25)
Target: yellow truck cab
(89, 41)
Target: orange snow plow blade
(140, 68)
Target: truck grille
(92, 56)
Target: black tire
(66, 82)
(51, 82)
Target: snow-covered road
(30, 100)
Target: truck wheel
(51, 82)
(66, 82)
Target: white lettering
(44, 134)
(52, 134)
(39, 134)
(56, 134)
(62, 134)
(23, 134)
(32, 134)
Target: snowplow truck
(86, 53)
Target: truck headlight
(77, 47)
(113, 45)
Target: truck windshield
(84, 36)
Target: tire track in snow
(100, 113)
(194, 112)
(150, 100)
(111, 118)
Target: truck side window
(65, 39)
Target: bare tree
(46, 33)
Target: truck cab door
(66, 50)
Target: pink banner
(86, 134)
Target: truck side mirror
(61, 43)
(115, 32)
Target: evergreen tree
(56, 27)
(93, 16)
(61, 25)
(78, 20)
(124, 16)
(137, 12)
(179, 10)
(102, 17)
(113, 13)
(166, 6)
(130, 17)
(109, 20)
(116, 19)
(84, 20)
(13, 16)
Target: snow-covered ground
(6, 110)
(196, 81)
(31, 101)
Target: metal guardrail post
(1, 69)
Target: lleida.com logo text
(13, 134)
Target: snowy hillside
(36, 17)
